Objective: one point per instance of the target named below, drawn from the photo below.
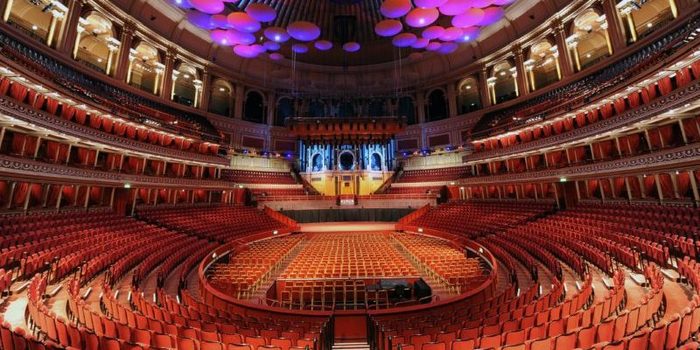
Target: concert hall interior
(350, 174)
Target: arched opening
(41, 19)
(346, 161)
(284, 110)
(376, 162)
(644, 17)
(377, 107)
(145, 69)
(186, 85)
(317, 162)
(97, 47)
(542, 66)
(407, 109)
(254, 107)
(220, 97)
(317, 108)
(346, 109)
(502, 84)
(468, 97)
(437, 106)
(589, 41)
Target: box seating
(348, 255)
(444, 262)
(251, 266)
(258, 177)
(223, 223)
(437, 174)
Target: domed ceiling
(342, 32)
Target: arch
(346, 161)
(254, 107)
(650, 14)
(317, 162)
(146, 68)
(542, 64)
(186, 84)
(285, 109)
(32, 17)
(436, 105)
(407, 109)
(221, 97)
(375, 161)
(591, 38)
(97, 46)
(503, 83)
(468, 95)
(376, 107)
(317, 108)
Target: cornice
(31, 170)
(669, 159)
(676, 99)
(10, 108)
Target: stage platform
(346, 226)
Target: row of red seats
(258, 177)
(435, 174)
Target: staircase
(261, 292)
(351, 346)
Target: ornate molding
(32, 170)
(22, 112)
(670, 159)
(676, 99)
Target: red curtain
(157, 166)
(691, 126)
(633, 98)
(175, 169)
(212, 172)
(683, 180)
(606, 110)
(629, 145)
(24, 189)
(603, 149)
(186, 144)
(204, 148)
(547, 130)
(113, 161)
(23, 145)
(580, 120)
(592, 116)
(4, 86)
(142, 134)
(525, 135)
(56, 152)
(95, 121)
(576, 154)
(153, 137)
(18, 92)
(95, 194)
(119, 128)
(635, 189)
(535, 161)
(683, 77)
(605, 188)
(529, 190)
(536, 133)
(569, 124)
(81, 116)
(107, 124)
(592, 188)
(649, 93)
(200, 195)
(558, 126)
(131, 132)
(649, 185)
(86, 156)
(51, 106)
(39, 102)
(68, 112)
(665, 86)
(165, 140)
(666, 184)
(695, 67)
(4, 188)
(618, 186)
(620, 105)
(197, 171)
(134, 164)
(555, 158)
(142, 194)
(68, 194)
(163, 195)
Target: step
(351, 345)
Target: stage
(346, 226)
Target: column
(451, 100)
(123, 64)
(205, 91)
(271, 104)
(240, 99)
(58, 16)
(168, 68)
(572, 45)
(113, 47)
(562, 55)
(615, 28)
(520, 76)
(626, 14)
(79, 30)
(68, 34)
(420, 106)
(484, 90)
